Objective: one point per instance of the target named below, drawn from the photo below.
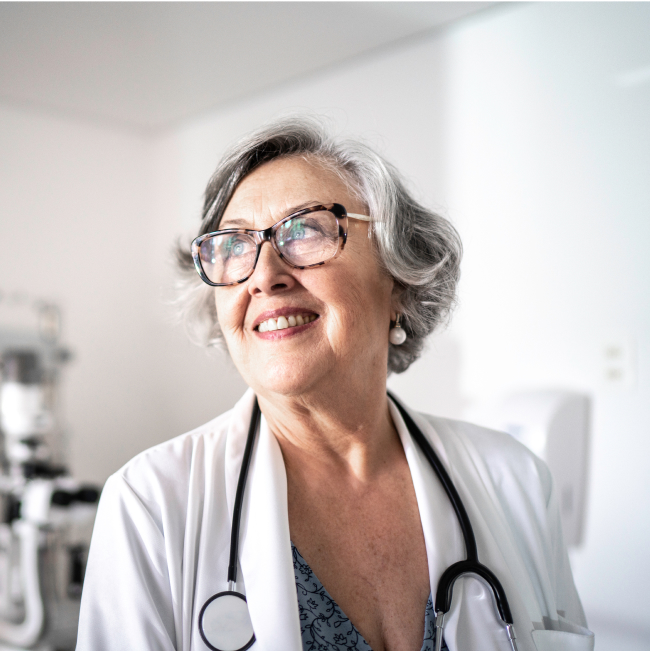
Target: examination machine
(47, 516)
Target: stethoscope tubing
(461, 514)
(471, 565)
(239, 495)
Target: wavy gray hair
(418, 248)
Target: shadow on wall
(432, 383)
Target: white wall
(549, 166)
(73, 201)
(513, 125)
(78, 225)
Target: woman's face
(348, 298)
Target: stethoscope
(224, 620)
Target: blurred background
(526, 124)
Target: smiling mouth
(284, 322)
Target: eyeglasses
(306, 238)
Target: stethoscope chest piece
(225, 623)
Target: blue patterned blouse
(324, 626)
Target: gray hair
(420, 249)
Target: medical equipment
(46, 516)
(224, 621)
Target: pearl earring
(397, 336)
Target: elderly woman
(327, 522)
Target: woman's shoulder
(505, 460)
(165, 472)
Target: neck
(334, 432)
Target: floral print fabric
(324, 626)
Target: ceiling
(150, 65)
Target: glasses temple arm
(363, 218)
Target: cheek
(370, 285)
(231, 310)
(363, 308)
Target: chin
(287, 379)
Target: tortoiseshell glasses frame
(213, 253)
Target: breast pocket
(563, 641)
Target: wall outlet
(617, 363)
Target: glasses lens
(228, 257)
(308, 239)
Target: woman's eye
(301, 230)
(235, 248)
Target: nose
(271, 274)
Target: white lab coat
(162, 537)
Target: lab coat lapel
(496, 545)
(265, 548)
(471, 622)
(442, 535)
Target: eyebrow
(231, 223)
(241, 223)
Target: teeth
(285, 322)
